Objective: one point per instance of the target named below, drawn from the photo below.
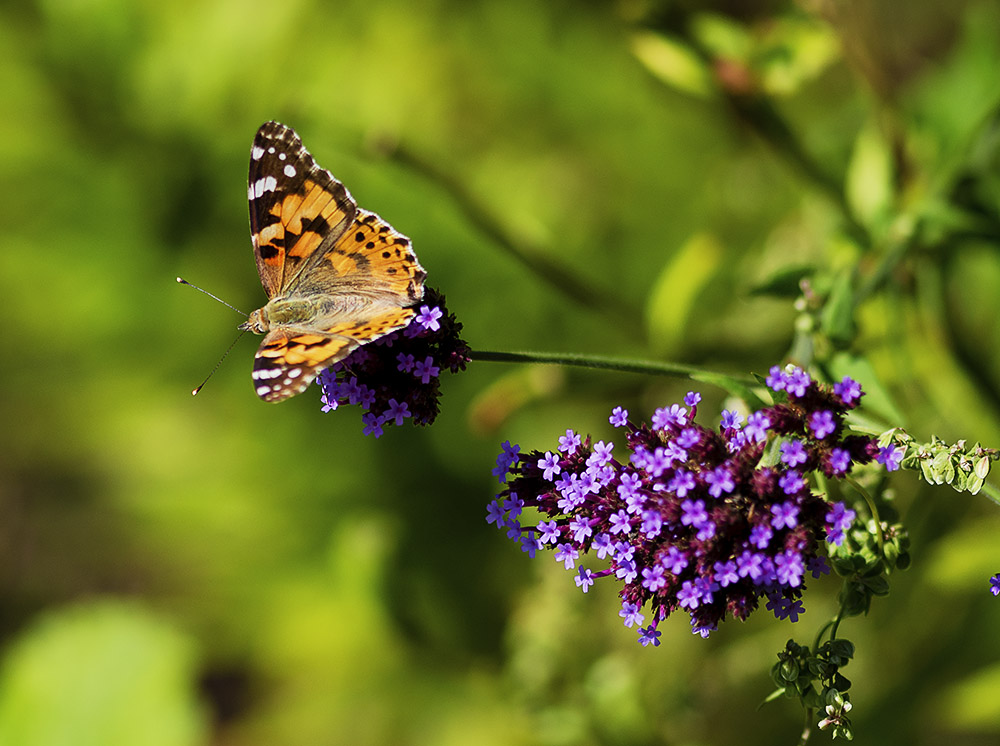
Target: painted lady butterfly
(336, 276)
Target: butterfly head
(256, 322)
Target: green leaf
(681, 279)
(772, 452)
(789, 670)
(812, 698)
(841, 648)
(733, 386)
(673, 63)
(843, 566)
(785, 282)
(869, 181)
(878, 585)
(942, 468)
(891, 552)
(837, 317)
(776, 694)
(877, 399)
(960, 482)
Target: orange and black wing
(370, 259)
(295, 207)
(289, 360)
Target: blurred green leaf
(673, 63)
(837, 317)
(877, 399)
(107, 674)
(785, 282)
(725, 36)
(682, 278)
(871, 177)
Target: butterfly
(336, 276)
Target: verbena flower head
(396, 377)
(689, 518)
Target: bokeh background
(638, 178)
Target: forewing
(294, 207)
(370, 259)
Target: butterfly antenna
(238, 338)
(182, 281)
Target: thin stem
(879, 536)
(819, 635)
(736, 385)
(807, 728)
(991, 492)
(590, 361)
(836, 622)
(541, 261)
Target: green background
(214, 570)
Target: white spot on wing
(257, 153)
(267, 184)
(290, 171)
(266, 373)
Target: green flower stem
(739, 385)
(879, 536)
(807, 727)
(834, 623)
(589, 361)
(991, 492)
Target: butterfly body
(336, 276)
(282, 312)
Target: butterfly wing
(372, 260)
(289, 360)
(295, 206)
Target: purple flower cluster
(706, 521)
(396, 377)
